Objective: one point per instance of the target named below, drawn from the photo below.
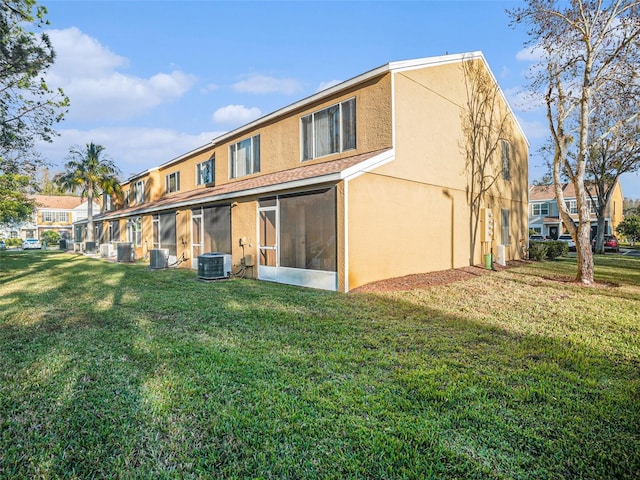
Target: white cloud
(236, 114)
(262, 84)
(531, 54)
(211, 87)
(524, 100)
(88, 73)
(133, 150)
(328, 84)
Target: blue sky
(151, 80)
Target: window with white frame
(61, 217)
(244, 157)
(593, 206)
(572, 206)
(540, 209)
(47, 216)
(138, 191)
(331, 130)
(108, 202)
(134, 231)
(506, 160)
(505, 226)
(205, 171)
(172, 182)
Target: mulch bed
(423, 280)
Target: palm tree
(93, 174)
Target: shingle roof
(246, 186)
(547, 192)
(62, 202)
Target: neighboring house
(544, 217)
(363, 181)
(53, 212)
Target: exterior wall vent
(158, 258)
(214, 266)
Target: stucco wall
(412, 215)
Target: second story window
(138, 191)
(244, 157)
(328, 131)
(540, 209)
(572, 206)
(172, 182)
(506, 160)
(205, 171)
(47, 216)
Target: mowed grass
(112, 370)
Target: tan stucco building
(363, 181)
(544, 216)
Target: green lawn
(116, 370)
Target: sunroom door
(196, 236)
(268, 239)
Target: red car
(610, 243)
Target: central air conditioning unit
(106, 250)
(158, 258)
(214, 266)
(125, 252)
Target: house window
(172, 182)
(62, 217)
(108, 202)
(138, 191)
(328, 131)
(205, 171)
(134, 231)
(506, 160)
(155, 231)
(593, 207)
(572, 206)
(540, 209)
(244, 157)
(504, 226)
(47, 216)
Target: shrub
(556, 248)
(537, 250)
(13, 242)
(50, 237)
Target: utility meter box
(486, 225)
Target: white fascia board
(368, 165)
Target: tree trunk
(90, 214)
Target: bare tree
(615, 150)
(586, 46)
(486, 127)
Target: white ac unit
(158, 258)
(106, 250)
(213, 266)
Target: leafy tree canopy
(15, 204)
(29, 108)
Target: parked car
(31, 244)
(538, 238)
(610, 243)
(3, 246)
(569, 241)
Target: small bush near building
(550, 250)
(51, 237)
(13, 242)
(537, 250)
(556, 249)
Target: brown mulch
(423, 280)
